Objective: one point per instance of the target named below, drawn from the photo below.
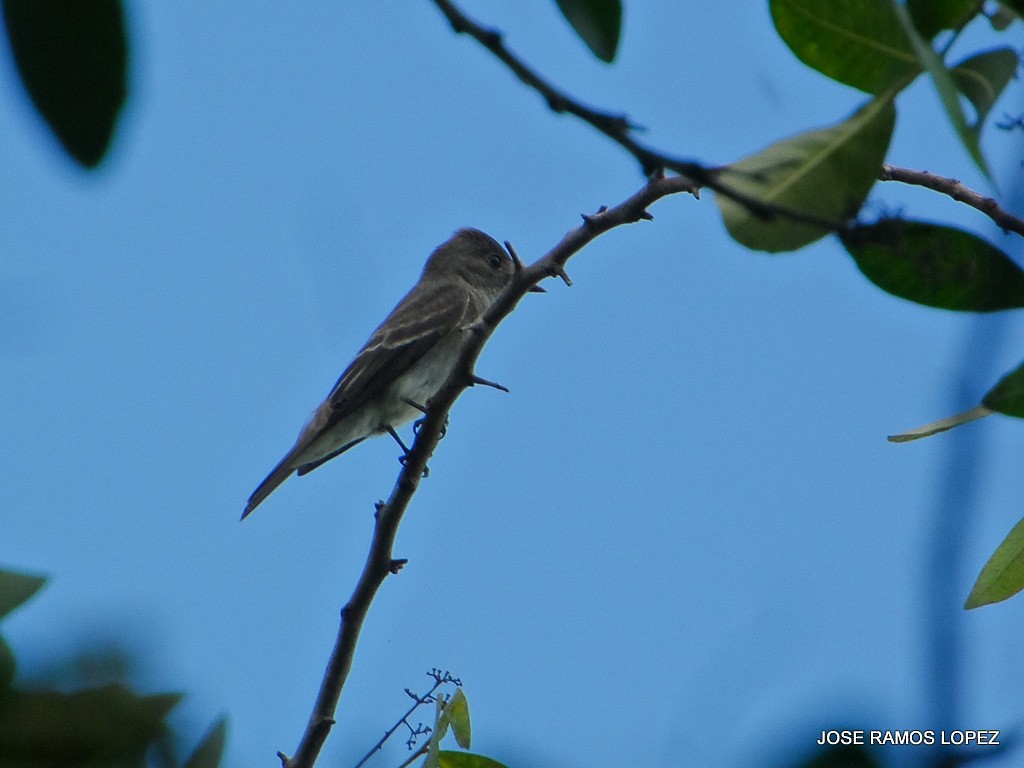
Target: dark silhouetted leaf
(1003, 574)
(857, 42)
(597, 22)
(109, 726)
(448, 759)
(937, 266)
(1002, 18)
(211, 749)
(72, 57)
(1017, 6)
(826, 173)
(843, 756)
(16, 588)
(983, 77)
(932, 16)
(1008, 395)
(7, 666)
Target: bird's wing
(410, 332)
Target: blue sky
(681, 539)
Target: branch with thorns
(380, 561)
(621, 129)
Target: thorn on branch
(590, 218)
(397, 564)
(517, 263)
(285, 760)
(622, 124)
(1010, 123)
(557, 270)
(474, 379)
(556, 103)
(631, 126)
(646, 215)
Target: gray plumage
(407, 358)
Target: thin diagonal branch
(620, 129)
(956, 190)
(617, 127)
(380, 562)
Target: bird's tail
(277, 475)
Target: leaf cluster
(817, 182)
(108, 726)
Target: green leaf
(437, 733)
(825, 173)
(983, 77)
(72, 57)
(16, 588)
(109, 726)
(7, 666)
(1003, 575)
(936, 266)
(457, 712)
(932, 16)
(211, 749)
(935, 427)
(1008, 395)
(449, 759)
(597, 22)
(857, 42)
(948, 94)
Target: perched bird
(407, 358)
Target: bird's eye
(495, 260)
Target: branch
(380, 562)
(956, 190)
(619, 129)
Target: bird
(407, 358)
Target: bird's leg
(398, 439)
(418, 424)
(405, 450)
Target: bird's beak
(536, 289)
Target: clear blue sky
(682, 539)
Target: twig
(415, 756)
(380, 561)
(426, 698)
(617, 127)
(956, 190)
(620, 129)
